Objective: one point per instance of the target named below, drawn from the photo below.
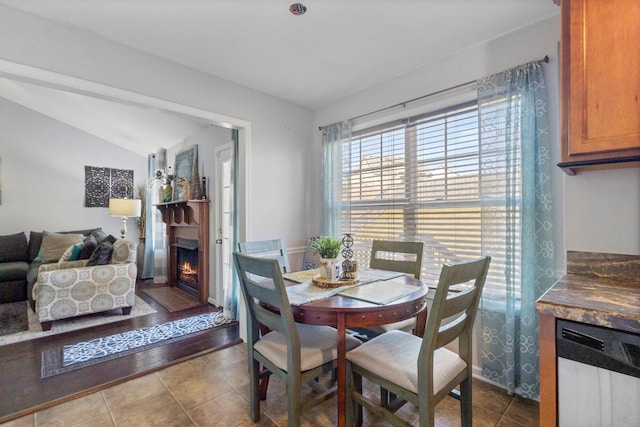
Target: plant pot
(329, 268)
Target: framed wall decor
(101, 184)
(186, 172)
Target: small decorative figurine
(348, 265)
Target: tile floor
(212, 390)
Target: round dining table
(344, 313)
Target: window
(421, 179)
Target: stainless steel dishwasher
(598, 376)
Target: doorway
(224, 199)
(68, 84)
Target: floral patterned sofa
(72, 288)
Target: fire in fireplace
(187, 265)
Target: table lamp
(125, 208)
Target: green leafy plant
(327, 246)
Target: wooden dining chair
(274, 249)
(297, 353)
(402, 257)
(422, 370)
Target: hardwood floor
(22, 391)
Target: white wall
(602, 211)
(280, 132)
(43, 174)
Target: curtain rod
(404, 104)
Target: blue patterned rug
(86, 353)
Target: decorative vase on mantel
(140, 257)
(167, 192)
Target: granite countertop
(599, 289)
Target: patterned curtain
(516, 203)
(332, 138)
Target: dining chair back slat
(453, 330)
(403, 257)
(457, 302)
(271, 249)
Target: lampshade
(125, 207)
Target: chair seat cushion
(318, 345)
(394, 357)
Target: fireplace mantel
(186, 212)
(188, 219)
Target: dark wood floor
(22, 391)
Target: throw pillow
(102, 254)
(35, 242)
(88, 247)
(72, 252)
(107, 238)
(99, 234)
(13, 247)
(55, 244)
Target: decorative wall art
(102, 184)
(187, 181)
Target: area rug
(13, 318)
(172, 298)
(87, 353)
(141, 308)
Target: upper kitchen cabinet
(600, 88)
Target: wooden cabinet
(600, 84)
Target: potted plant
(328, 248)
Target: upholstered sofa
(14, 267)
(20, 260)
(73, 288)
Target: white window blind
(419, 180)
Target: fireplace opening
(187, 265)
